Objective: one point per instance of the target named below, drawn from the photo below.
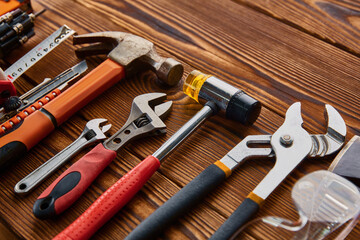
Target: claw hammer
(128, 54)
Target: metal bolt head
(286, 140)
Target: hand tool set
(15, 109)
(7, 89)
(93, 132)
(216, 96)
(129, 54)
(288, 155)
(325, 200)
(145, 120)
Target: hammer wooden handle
(111, 201)
(14, 144)
(70, 185)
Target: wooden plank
(6, 232)
(273, 61)
(336, 22)
(258, 54)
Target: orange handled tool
(129, 53)
(39, 124)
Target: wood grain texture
(269, 59)
(334, 21)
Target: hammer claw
(94, 49)
(132, 52)
(99, 37)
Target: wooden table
(279, 52)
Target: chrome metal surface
(44, 88)
(303, 145)
(217, 91)
(37, 176)
(243, 151)
(183, 133)
(147, 112)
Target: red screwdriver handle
(70, 185)
(111, 201)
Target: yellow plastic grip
(193, 84)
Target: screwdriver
(16, 28)
(217, 97)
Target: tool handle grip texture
(28, 133)
(70, 185)
(111, 201)
(86, 89)
(178, 204)
(16, 143)
(238, 219)
(11, 123)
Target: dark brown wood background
(279, 52)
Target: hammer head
(132, 52)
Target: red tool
(130, 54)
(7, 88)
(217, 96)
(145, 120)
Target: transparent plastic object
(324, 200)
(193, 84)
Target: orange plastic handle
(86, 89)
(16, 143)
(11, 123)
(7, 6)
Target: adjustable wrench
(147, 112)
(92, 133)
(290, 144)
(128, 55)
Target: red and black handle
(70, 185)
(193, 193)
(32, 129)
(111, 201)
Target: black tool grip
(177, 205)
(11, 152)
(241, 216)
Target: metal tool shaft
(37, 176)
(183, 132)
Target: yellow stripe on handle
(256, 198)
(223, 167)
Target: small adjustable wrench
(147, 112)
(92, 133)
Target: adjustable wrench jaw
(147, 112)
(95, 129)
